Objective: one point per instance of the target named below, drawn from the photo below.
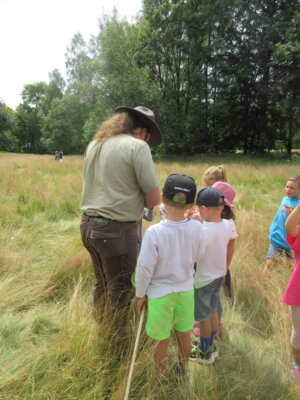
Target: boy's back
(166, 261)
(213, 265)
(164, 273)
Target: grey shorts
(207, 299)
(275, 251)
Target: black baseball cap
(180, 183)
(210, 197)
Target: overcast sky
(34, 35)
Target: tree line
(221, 76)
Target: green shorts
(174, 310)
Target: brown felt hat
(147, 118)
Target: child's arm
(292, 221)
(230, 250)
(140, 303)
(145, 268)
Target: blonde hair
(215, 174)
(295, 178)
(118, 123)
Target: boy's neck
(214, 214)
(175, 214)
(210, 219)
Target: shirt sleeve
(232, 228)
(144, 168)
(146, 263)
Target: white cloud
(34, 35)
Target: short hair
(295, 178)
(215, 173)
(180, 197)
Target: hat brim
(156, 136)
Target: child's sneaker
(215, 352)
(202, 358)
(295, 373)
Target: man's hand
(140, 303)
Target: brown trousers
(113, 247)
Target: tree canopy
(219, 75)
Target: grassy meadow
(51, 348)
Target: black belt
(107, 219)
(98, 216)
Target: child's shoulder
(155, 227)
(223, 226)
(215, 225)
(195, 224)
(229, 222)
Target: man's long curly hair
(118, 123)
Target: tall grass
(50, 345)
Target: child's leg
(269, 266)
(220, 310)
(227, 285)
(215, 304)
(205, 330)
(203, 313)
(161, 354)
(184, 348)
(295, 337)
(158, 326)
(208, 331)
(296, 354)
(214, 321)
(273, 253)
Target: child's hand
(191, 212)
(196, 216)
(287, 209)
(140, 303)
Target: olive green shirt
(117, 173)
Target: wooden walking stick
(137, 339)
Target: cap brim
(156, 136)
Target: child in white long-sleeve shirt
(165, 269)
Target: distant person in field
(61, 154)
(165, 269)
(210, 272)
(291, 295)
(277, 237)
(56, 156)
(119, 181)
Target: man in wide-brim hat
(119, 181)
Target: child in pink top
(291, 296)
